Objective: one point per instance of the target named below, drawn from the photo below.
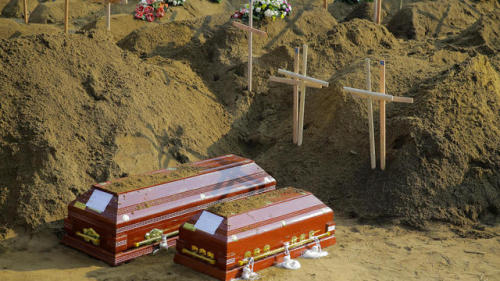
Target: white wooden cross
(249, 28)
(382, 98)
(299, 82)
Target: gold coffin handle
(196, 255)
(88, 238)
(154, 239)
(282, 249)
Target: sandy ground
(363, 252)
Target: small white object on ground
(248, 273)
(163, 244)
(315, 252)
(288, 262)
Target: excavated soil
(94, 105)
(240, 206)
(175, 91)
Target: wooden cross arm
(302, 77)
(248, 28)
(369, 94)
(402, 99)
(377, 96)
(294, 82)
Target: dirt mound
(445, 163)
(93, 118)
(442, 152)
(53, 11)
(362, 11)
(176, 91)
(11, 28)
(15, 8)
(432, 19)
(484, 35)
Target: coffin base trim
(112, 259)
(258, 265)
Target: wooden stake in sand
(325, 5)
(302, 100)
(382, 115)
(371, 132)
(249, 28)
(382, 98)
(299, 81)
(26, 17)
(66, 16)
(377, 7)
(108, 15)
(296, 69)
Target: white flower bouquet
(175, 2)
(265, 9)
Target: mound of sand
(10, 28)
(53, 11)
(15, 8)
(445, 163)
(484, 35)
(176, 92)
(361, 11)
(99, 114)
(433, 19)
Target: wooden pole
(296, 69)
(302, 96)
(373, 160)
(66, 16)
(375, 5)
(382, 116)
(250, 37)
(379, 8)
(325, 5)
(108, 16)
(26, 17)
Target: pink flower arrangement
(149, 10)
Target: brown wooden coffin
(254, 227)
(123, 219)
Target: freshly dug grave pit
(236, 207)
(139, 181)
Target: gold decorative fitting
(302, 237)
(294, 239)
(89, 235)
(196, 255)
(202, 251)
(312, 233)
(210, 254)
(256, 251)
(80, 205)
(282, 249)
(189, 226)
(154, 233)
(267, 248)
(248, 254)
(194, 248)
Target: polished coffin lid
(217, 177)
(293, 206)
